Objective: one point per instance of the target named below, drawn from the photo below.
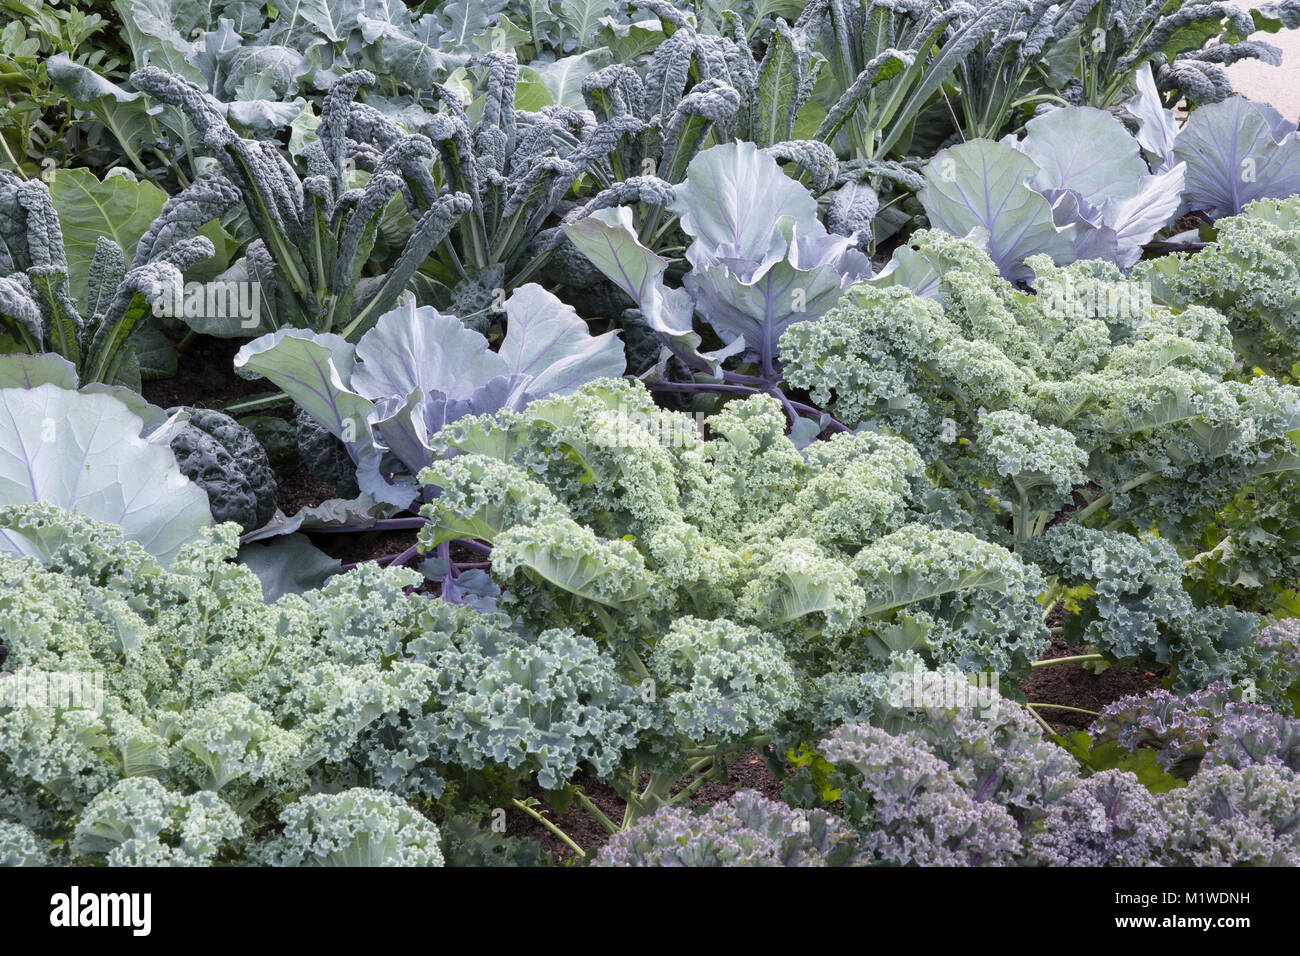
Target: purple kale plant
(746, 830)
(1108, 819)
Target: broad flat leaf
(246, 16)
(1092, 238)
(911, 269)
(732, 198)
(310, 368)
(19, 370)
(420, 350)
(301, 21)
(1233, 157)
(357, 512)
(288, 565)
(503, 36)
(756, 301)
(154, 351)
(416, 57)
(153, 35)
(1083, 149)
(549, 342)
(123, 113)
(84, 453)
(1137, 218)
(1157, 129)
(563, 77)
(582, 18)
(981, 185)
(626, 41)
(459, 20)
(119, 208)
(157, 423)
(262, 114)
(214, 50)
(609, 240)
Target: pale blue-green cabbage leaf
(84, 453)
(418, 370)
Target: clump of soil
(747, 772)
(1077, 685)
(205, 376)
(301, 490)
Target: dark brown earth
(1076, 685)
(748, 772)
(205, 376)
(301, 490)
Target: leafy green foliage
(94, 307)
(214, 715)
(37, 132)
(317, 233)
(745, 830)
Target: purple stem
(379, 524)
(448, 591)
(390, 560)
(791, 407)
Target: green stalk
(1106, 499)
(564, 837)
(1077, 710)
(594, 810)
(1068, 660)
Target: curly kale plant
(358, 827)
(710, 567)
(1206, 728)
(1250, 273)
(909, 809)
(745, 830)
(1067, 423)
(171, 715)
(1235, 817)
(1108, 819)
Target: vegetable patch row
(771, 376)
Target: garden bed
(647, 434)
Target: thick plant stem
(595, 811)
(564, 837)
(1068, 660)
(1108, 498)
(723, 388)
(379, 524)
(1042, 723)
(1077, 710)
